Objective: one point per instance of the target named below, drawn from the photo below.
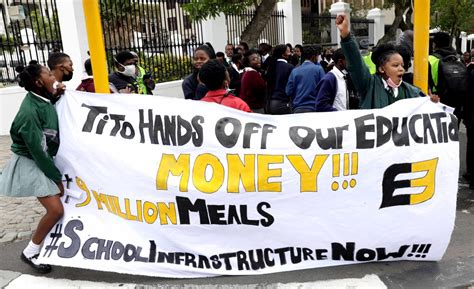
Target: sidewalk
(19, 217)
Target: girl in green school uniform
(31, 170)
(385, 86)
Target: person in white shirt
(332, 94)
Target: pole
(421, 42)
(96, 45)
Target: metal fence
(29, 30)
(317, 29)
(274, 32)
(159, 31)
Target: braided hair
(27, 76)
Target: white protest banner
(177, 188)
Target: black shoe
(40, 268)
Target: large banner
(177, 188)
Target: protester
(326, 61)
(143, 78)
(87, 83)
(192, 89)
(221, 57)
(235, 71)
(295, 59)
(277, 77)
(124, 78)
(331, 91)
(386, 85)
(243, 47)
(264, 50)
(449, 77)
(301, 86)
(469, 122)
(252, 89)
(61, 66)
(406, 55)
(466, 58)
(229, 52)
(366, 53)
(31, 170)
(213, 74)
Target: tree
(402, 8)
(204, 9)
(119, 18)
(453, 16)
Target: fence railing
(30, 33)
(274, 32)
(159, 31)
(317, 29)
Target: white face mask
(129, 70)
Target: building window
(172, 24)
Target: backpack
(453, 80)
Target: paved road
(18, 219)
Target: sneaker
(33, 262)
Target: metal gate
(29, 30)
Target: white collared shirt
(236, 68)
(40, 97)
(248, 69)
(395, 90)
(340, 100)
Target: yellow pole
(421, 37)
(96, 45)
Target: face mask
(129, 70)
(67, 77)
(393, 84)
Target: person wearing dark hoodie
(192, 89)
(441, 49)
(384, 87)
(277, 77)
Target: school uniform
(301, 86)
(35, 134)
(252, 89)
(278, 102)
(373, 90)
(331, 92)
(192, 89)
(221, 96)
(121, 81)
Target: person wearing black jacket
(278, 72)
(192, 89)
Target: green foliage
(453, 16)
(203, 9)
(167, 67)
(46, 28)
(8, 43)
(113, 11)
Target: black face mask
(67, 77)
